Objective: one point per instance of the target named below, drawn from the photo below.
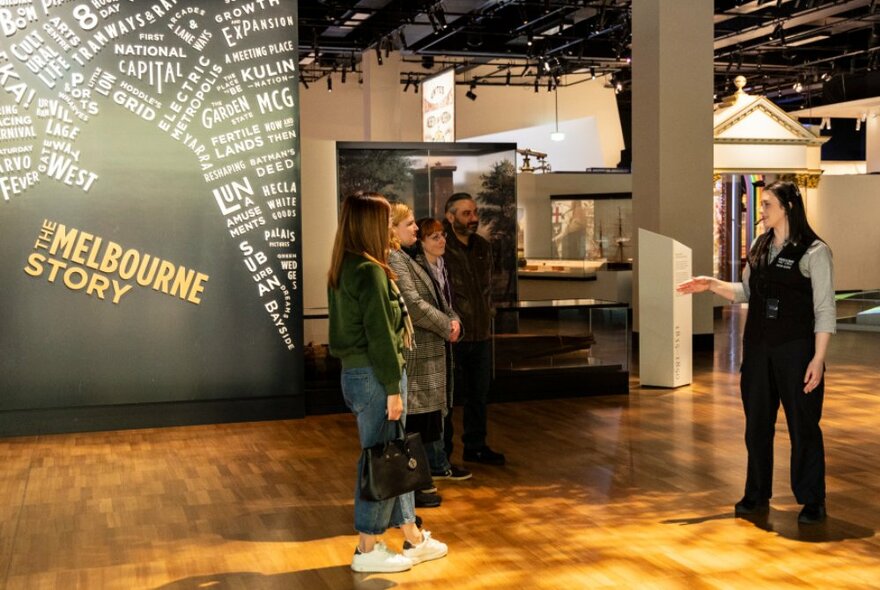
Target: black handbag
(395, 467)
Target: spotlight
(592, 73)
(379, 52)
(433, 19)
(798, 87)
(470, 93)
(329, 83)
(343, 74)
(408, 83)
(529, 40)
(427, 61)
(416, 86)
(388, 46)
(618, 88)
(826, 76)
(353, 62)
(304, 81)
(507, 78)
(536, 85)
(441, 16)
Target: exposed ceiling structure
(798, 52)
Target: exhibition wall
(844, 211)
(149, 215)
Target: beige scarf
(408, 330)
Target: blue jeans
(366, 398)
(437, 458)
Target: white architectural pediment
(756, 119)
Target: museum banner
(149, 207)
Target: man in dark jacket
(469, 264)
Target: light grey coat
(429, 363)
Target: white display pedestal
(666, 318)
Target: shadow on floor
(785, 524)
(330, 578)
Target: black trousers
(770, 375)
(473, 378)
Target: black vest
(780, 279)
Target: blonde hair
(362, 230)
(399, 212)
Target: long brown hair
(799, 230)
(362, 230)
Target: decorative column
(672, 134)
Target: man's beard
(465, 229)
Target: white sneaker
(427, 550)
(380, 559)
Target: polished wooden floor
(610, 492)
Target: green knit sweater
(366, 328)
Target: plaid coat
(429, 363)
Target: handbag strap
(400, 432)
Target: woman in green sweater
(369, 329)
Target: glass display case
(541, 350)
(543, 268)
(592, 227)
(859, 311)
(425, 175)
(561, 348)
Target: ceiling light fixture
(557, 135)
(441, 16)
(470, 93)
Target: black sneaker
(812, 513)
(454, 473)
(746, 507)
(426, 500)
(484, 455)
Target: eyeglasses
(437, 236)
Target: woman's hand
(395, 407)
(814, 373)
(695, 285)
(454, 330)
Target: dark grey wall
(110, 108)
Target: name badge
(784, 263)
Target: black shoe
(812, 513)
(418, 521)
(453, 473)
(484, 455)
(745, 507)
(426, 500)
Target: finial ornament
(739, 82)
